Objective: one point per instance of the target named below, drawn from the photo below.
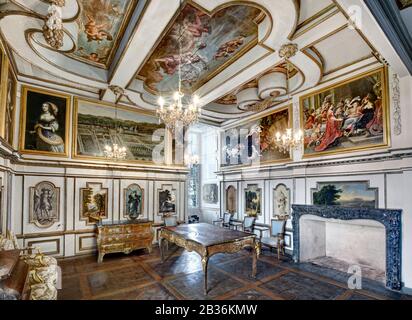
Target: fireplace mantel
(391, 219)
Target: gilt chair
(277, 236)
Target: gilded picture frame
(126, 211)
(44, 200)
(253, 201)
(79, 102)
(46, 96)
(257, 120)
(355, 194)
(84, 213)
(345, 130)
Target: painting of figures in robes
(200, 44)
(350, 116)
(133, 201)
(44, 204)
(101, 25)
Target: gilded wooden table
(208, 240)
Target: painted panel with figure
(167, 201)
(350, 116)
(44, 208)
(208, 44)
(133, 199)
(281, 202)
(231, 199)
(96, 127)
(45, 117)
(210, 193)
(256, 140)
(101, 25)
(94, 203)
(253, 201)
(356, 194)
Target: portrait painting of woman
(44, 116)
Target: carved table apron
(208, 240)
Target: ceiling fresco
(101, 24)
(208, 44)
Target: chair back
(277, 227)
(227, 217)
(170, 221)
(249, 224)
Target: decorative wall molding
(396, 97)
(391, 219)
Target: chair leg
(278, 253)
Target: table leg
(256, 253)
(161, 247)
(205, 261)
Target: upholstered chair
(277, 236)
(225, 222)
(249, 224)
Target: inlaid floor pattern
(142, 276)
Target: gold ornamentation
(53, 27)
(288, 50)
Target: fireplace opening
(343, 245)
(342, 236)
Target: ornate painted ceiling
(231, 51)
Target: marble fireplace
(339, 237)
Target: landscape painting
(253, 201)
(96, 127)
(347, 117)
(167, 201)
(100, 24)
(207, 44)
(45, 118)
(94, 203)
(346, 194)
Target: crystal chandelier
(179, 112)
(115, 152)
(191, 160)
(287, 141)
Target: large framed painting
(45, 117)
(44, 205)
(95, 126)
(350, 116)
(253, 201)
(210, 193)
(167, 201)
(133, 199)
(357, 194)
(101, 25)
(231, 199)
(93, 203)
(255, 140)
